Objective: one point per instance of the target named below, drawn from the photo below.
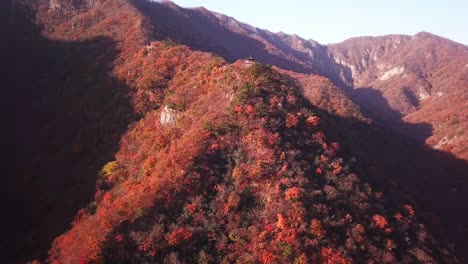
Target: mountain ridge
(363, 71)
(155, 75)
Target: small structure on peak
(168, 116)
(149, 48)
(249, 61)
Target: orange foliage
(332, 256)
(250, 109)
(267, 257)
(179, 236)
(380, 221)
(398, 217)
(409, 210)
(337, 170)
(281, 223)
(287, 235)
(273, 138)
(191, 207)
(291, 120)
(293, 193)
(313, 120)
(390, 244)
(316, 228)
(357, 233)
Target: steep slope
(397, 75)
(63, 115)
(209, 31)
(410, 163)
(421, 79)
(251, 178)
(233, 152)
(76, 89)
(321, 92)
(395, 164)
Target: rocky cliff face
(362, 53)
(415, 76)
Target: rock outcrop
(168, 116)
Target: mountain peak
(425, 34)
(166, 3)
(428, 36)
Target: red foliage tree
(179, 236)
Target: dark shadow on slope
(62, 116)
(411, 97)
(409, 172)
(200, 29)
(375, 106)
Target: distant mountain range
(305, 153)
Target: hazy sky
(330, 21)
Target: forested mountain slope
(172, 154)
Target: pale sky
(331, 21)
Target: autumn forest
(143, 132)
